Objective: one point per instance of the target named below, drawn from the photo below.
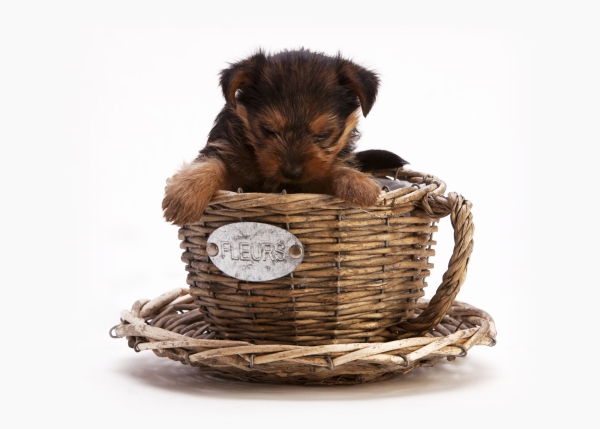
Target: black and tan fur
(289, 122)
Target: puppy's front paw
(189, 191)
(183, 206)
(356, 188)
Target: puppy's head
(300, 109)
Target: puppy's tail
(378, 159)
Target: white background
(100, 102)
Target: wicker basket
(350, 312)
(363, 269)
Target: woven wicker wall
(362, 273)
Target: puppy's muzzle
(293, 173)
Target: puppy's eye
(321, 137)
(268, 131)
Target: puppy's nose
(292, 173)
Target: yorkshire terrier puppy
(289, 122)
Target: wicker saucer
(172, 326)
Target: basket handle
(462, 222)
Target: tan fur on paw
(189, 191)
(356, 187)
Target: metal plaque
(254, 251)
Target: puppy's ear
(362, 82)
(240, 74)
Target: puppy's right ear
(240, 74)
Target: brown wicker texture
(173, 326)
(362, 274)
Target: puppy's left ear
(239, 75)
(362, 82)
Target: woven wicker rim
(463, 327)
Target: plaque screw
(212, 249)
(295, 251)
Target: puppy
(289, 122)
